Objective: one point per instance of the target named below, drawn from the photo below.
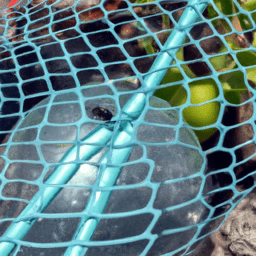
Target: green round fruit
(199, 116)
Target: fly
(102, 114)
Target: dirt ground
(237, 236)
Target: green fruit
(199, 116)
(201, 91)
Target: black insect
(102, 113)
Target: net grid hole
(66, 68)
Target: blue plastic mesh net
(96, 157)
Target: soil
(237, 236)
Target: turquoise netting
(96, 157)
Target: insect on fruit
(102, 113)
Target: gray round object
(153, 174)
